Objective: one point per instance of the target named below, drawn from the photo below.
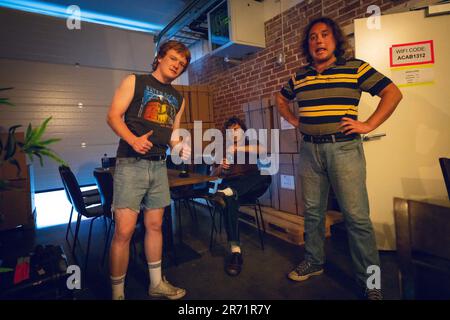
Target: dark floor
(201, 271)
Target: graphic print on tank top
(158, 107)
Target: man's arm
(390, 98)
(216, 170)
(254, 148)
(283, 107)
(121, 101)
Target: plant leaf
(33, 146)
(41, 129)
(27, 135)
(16, 164)
(31, 138)
(13, 128)
(40, 158)
(6, 101)
(49, 141)
(11, 143)
(49, 153)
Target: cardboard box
(185, 92)
(201, 104)
(289, 135)
(259, 115)
(198, 103)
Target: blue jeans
(343, 165)
(243, 186)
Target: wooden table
(174, 181)
(174, 177)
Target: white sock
(235, 249)
(154, 269)
(117, 284)
(228, 191)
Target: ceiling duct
(187, 26)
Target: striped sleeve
(370, 80)
(287, 90)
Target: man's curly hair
(232, 121)
(341, 41)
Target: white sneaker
(166, 290)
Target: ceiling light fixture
(59, 11)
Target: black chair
(104, 181)
(105, 185)
(78, 202)
(445, 167)
(249, 200)
(186, 194)
(90, 197)
(252, 200)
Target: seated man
(239, 180)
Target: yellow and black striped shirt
(324, 98)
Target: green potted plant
(33, 146)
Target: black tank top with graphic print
(154, 107)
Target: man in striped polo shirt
(328, 90)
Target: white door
(404, 163)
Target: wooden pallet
(286, 226)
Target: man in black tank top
(144, 112)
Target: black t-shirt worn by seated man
(154, 107)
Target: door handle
(371, 137)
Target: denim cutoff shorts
(140, 182)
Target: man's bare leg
(153, 243)
(153, 250)
(125, 224)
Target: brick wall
(259, 75)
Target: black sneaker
(304, 271)
(234, 264)
(373, 294)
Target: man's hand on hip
(349, 126)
